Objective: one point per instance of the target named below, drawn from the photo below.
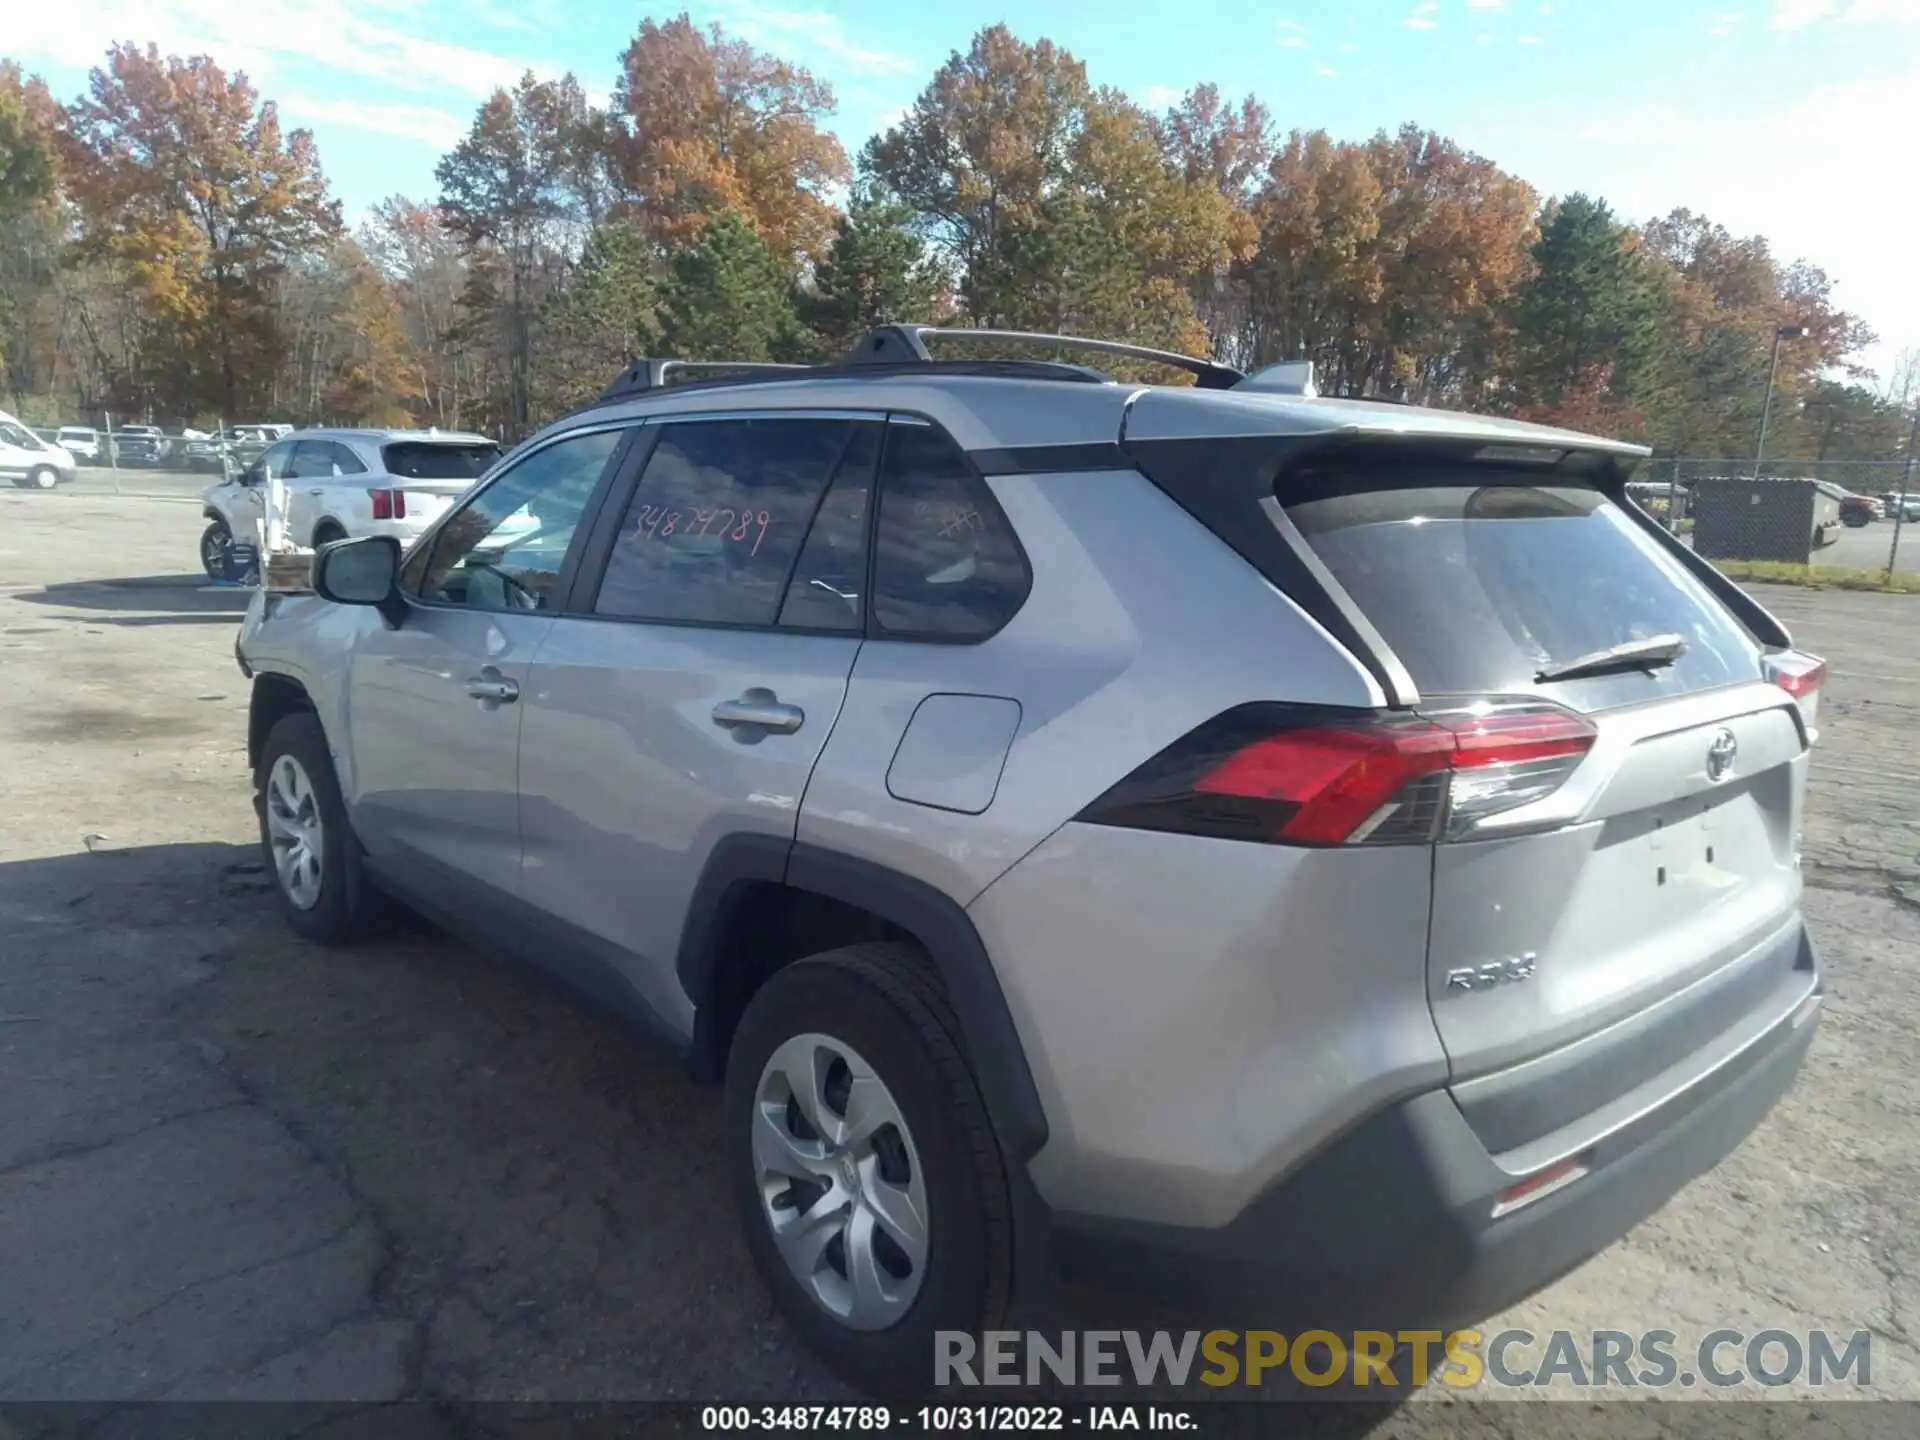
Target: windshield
(438, 459)
(1478, 586)
(18, 435)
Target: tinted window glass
(312, 460)
(718, 518)
(946, 562)
(274, 460)
(343, 456)
(1478, 586)
(829, 583)
(437, 460)
(504, 548)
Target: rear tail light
(1801, 675)
(1295, 776)
(389, 504)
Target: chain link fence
(1847, 513)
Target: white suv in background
(346, 483)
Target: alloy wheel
(295, 832)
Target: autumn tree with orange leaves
(170, 253)
(186, 187)
(702, 125)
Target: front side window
(946, 563)
(503, 550)
(718, 519)
(275, 460)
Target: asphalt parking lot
(236, 1166)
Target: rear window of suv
(1479, 580)
(437, 460)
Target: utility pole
(1906, 489)
(1784, 332)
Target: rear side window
(946, 563)
(1479, 581)
(437, 460)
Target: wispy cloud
(428, 124)
(1422, 16)
(1161, 97)
(1723, 25)
(1798, 14)
(1325, 72)
(1485, 37)
(1530, 40)
(819, 30)
(1486, 4)
(376, 40)
(1293, 42)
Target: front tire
(216, 544)
(43, 477)
(313, 857)
(326, 533)
(867, 1176)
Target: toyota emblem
(1721, 755)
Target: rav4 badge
(1498, 972)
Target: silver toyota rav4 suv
(1307, 857)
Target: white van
(28, 460)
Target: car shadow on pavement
(268, 1170)
(146, 600)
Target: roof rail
(905, 344)
(644, 374)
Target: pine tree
(729, 298)
(1592, 302)
(875, 272)
(607, 316)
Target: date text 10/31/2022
(944, 1419)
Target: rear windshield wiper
(1649, 654)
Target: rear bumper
(1391, 1227)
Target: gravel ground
(235, 1166)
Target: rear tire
(313, 857)
(871, 1310)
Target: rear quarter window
(437, 460)
(1480, 579)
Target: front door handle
(492, 689)
(758, 709)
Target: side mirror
(365, 571)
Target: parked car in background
(30, 461)
(140, 445)
(1859, 510)
(235, 447)
(1905, 506)
(80, 441)
(343, 483)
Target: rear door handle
(492, 689)
(760, 710)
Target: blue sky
(1799, 119)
